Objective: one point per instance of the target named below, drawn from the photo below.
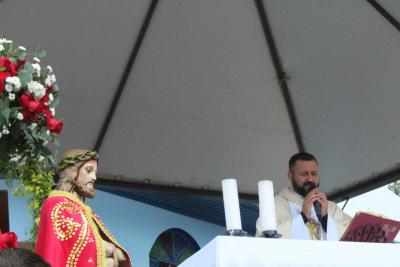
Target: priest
(302, 210)
(70, 233)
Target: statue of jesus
(70, 233)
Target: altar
(229, 251)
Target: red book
(367, 227)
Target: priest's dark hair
(19, 257)
(304, 156)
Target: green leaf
(55, 102)
(41, 53)
(29, 68)
(22, 126)
(56, 88)
(21, 55)
(56, 142)
(25, 76)
(35, 135)
(15, 110)
(3, 68)
(6, 114)
(27, 133)
(52, 160)
(44, 137)
(4, 103)
(5, 109)
(9, 49)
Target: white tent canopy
(201, 99)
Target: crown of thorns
(72, 160)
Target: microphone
(317, 208)
(308, 186)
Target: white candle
(231, 204)
(267, 205)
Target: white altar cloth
(229, 251)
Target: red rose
(10, 66)
(44, 99)
(3, 77)
(43, 108)
(7, 69)
(52, 124)
(28, 116)
(29, 102)
(8, 240)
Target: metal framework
(125, 75)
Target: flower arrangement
(8, 240)
(28, 99)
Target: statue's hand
(110, 249)
(111, 262)
(120, 255)
(111, 259)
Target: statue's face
(86, 179)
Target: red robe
(70, 233)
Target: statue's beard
(83, 190)
(304, 189)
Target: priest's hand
(323, 200)
(313, 195)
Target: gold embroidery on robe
(64, 228)
(314, 229)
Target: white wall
(135, 225)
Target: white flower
(22, 48)
(47, 81)
(50, 79)
(10, 80)
(48, 132)
(53, 111)
(37, 68)
(37, 89)
(20, 116)
(51, 98)
(11, 96)
(45, 142)
(15, 82)
(0, 135)
(50, 69)
(16, 158)
(9, 88)
(1, 47)
(5, 41)
(32, 126)
(5, 131)
(41, 158)
(36, 59)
